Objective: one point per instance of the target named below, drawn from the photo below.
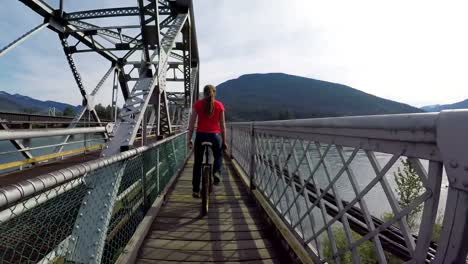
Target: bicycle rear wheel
(205, 189)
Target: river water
(8, 152)
(364, 173)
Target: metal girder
(88, 100)
(105, 32)
(87, 245)
(176, 56)
(99, 13)
(89, 233)
(80, 114)
(59, 26)
(123, 83)
(164, 121)
(26, 35)
(18, 145)
(187, 65)
(109, 12)
(149, 34)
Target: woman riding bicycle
(211, 123)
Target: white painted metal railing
(332, 182)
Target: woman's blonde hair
(209, 92)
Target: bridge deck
(233, 231)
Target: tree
(365, 250)
(68, 111)
(409, 187)
(104, 112)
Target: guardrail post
(231, 140)
(252, 156)
(452, 140)
(144, 186)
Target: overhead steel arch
(143, 57)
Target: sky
(413, 52)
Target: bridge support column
(452, 131)
(252, 157)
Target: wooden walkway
(232, 232)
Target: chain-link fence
(38, 217)
(363, 189)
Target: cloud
(413, 52)
(407, 51)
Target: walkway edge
(130, 252)
(288, 236)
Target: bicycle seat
(206, 144)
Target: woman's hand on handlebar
(224, 146)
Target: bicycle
(207, 177)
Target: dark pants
(214, 139)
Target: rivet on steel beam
(453, 164)
(99, 230)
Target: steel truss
(166, 41)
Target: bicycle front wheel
(205, 190)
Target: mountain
(21, 103)
(281, 96)
(438, 108)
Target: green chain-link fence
(36, 227)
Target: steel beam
(90, 231)
(16, 42)
(80, 114)
(17, 144)
(12, 134)
(100, 13)
(59, 26)
(108, 12)
(88, 100)
(84, 26)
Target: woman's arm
(193, 118)
(222, 124)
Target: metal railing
(22, 148)
(38, 217)
(333, 183)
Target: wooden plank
(238, 203)
(233, 231)
(218, 209)
(206, 221)
(219, 255)
(216, 200)
(131, 250)
(207, 245)
(217, 190)
(204, 236)
(263, 261)
(297, 246)
(208, 228)
(211, 214)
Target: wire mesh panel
(38, 227)
(355, 191)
